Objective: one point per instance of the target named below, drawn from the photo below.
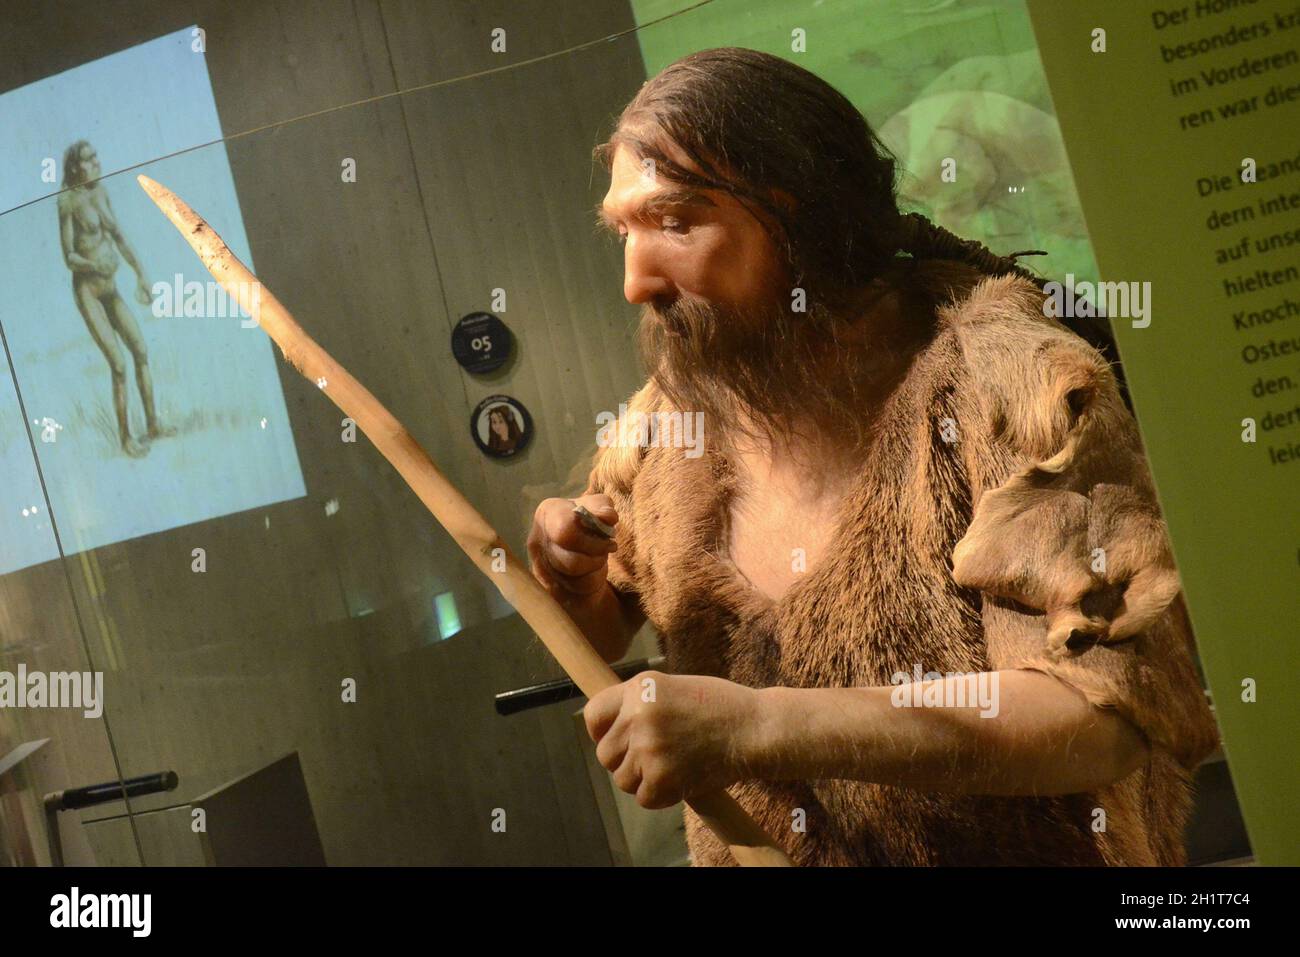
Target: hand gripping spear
(748, 843)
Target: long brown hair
(71, 162)
(767, 132)
(511, 441)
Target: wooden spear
(749, 844)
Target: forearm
(1044, 739)
(79, 263)
(608, 620)
(129, 255)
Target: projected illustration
(91, 241)
(151, 402)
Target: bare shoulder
(99, 196)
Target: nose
(643, 278)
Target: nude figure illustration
(91, 239)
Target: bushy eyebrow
(655, 203)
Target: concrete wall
(461, 188)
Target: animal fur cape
(1001, 464)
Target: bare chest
(777, 536)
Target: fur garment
(1004, 518)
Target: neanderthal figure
(91, 239)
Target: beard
(771, 375)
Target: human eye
(671, 224)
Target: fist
(666, 738)
(566, 557)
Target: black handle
(93, 794)
(550, 692)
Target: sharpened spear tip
(173, 207)
(152, 187)
(167, 201)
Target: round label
(481, 342)
(501, 426)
